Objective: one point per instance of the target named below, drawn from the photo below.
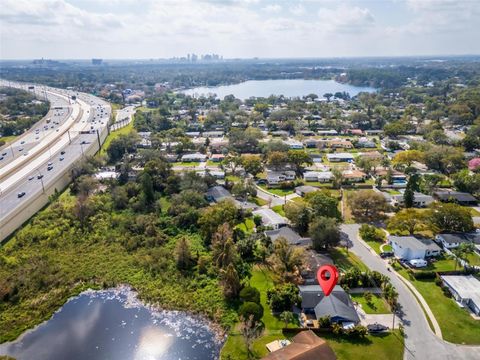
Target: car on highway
(21, 149)
(3, 154)
(62, 152)
(31, 178)
(49, 168)
(61, 158)
(21, 194)
(25, 153)
(39, 176)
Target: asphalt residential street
(420, 341)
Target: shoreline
(130, 298)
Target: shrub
(424, 274)
(371, 233)
(282, 298)
(250, 294)
(251, 308)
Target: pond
(114, 324)
(288, 88)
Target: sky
(145, 29)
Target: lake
(114, 324)
(288, 88)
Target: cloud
(346, 19)
(297, 10)
(272, 8)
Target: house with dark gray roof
(305, 189)
(410, 247)
(289, 234)
(460, 198)
(218, 193)
(338, 305)
(453, 240)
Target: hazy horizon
(149, 29)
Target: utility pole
(41, 180)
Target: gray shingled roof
(414, 243)
(337, 305)
(292, 236)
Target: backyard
(377, 305)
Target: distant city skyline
(144, 29)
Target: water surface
(113, 324)
(288, 88)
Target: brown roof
(305, 346)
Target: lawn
(442, 265)
(279, 192)
(457, 325)
(345, 260)
(383, 346)
(247, 226)
(258, 201)
(235, 347)
(186, 163)
(279, 210)
(375, 245)
(113, 135)
(7, 139)
(473, 259)
(377, 306)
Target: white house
(294, 144)
(320, 176)
(196, 157)
(338, 157)
(271, 218)
(465, 289)
(409, 247)
(277, 177)
(419, 200)
(453, 240)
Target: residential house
(304, 346)
(410, 247)
(218, 193)
(192, 134)
(340, 144)
(338, 305)
(310, 143)
(270, 218)
(354, 175)
(460, 198)
(318, 176)
(305, 189)
(453, 240)
(465, 289)
(289, 234)
(373, 155)
(294, 144)
(277, 177)
(340, 157)
(196, 157)
(213, 134)
(280, 133)
(327, 132)
(217, 157)
(419, 200)
(365, 143)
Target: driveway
(420, 341)
(275, 199)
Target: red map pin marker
(327, 283)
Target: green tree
(286, 260)
(287, 317)
(324, 233)
(323, 204)
(215, 215)
(147, 189)
(447, 217)
(367, 205)
(248, 309)
(250, 294)
(298, 159)
(298, 214)
(252, 164)
(462, 252)
(230, 281)
(183, 254)
(411, 221)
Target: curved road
(420, 341)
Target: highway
(31, 164)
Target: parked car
(386, 254)
(376, 328)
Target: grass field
(473, 259)
(457, 325)
(344, 260)
(279, 210)
(7, 139)
(113, 135)
(279, 192)
(377, 306)
(388, 346)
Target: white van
(418, 263)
